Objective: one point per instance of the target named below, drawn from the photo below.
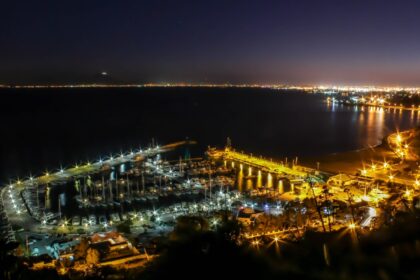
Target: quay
(295, 172)
(77, 171)
(15, 207)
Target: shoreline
(353, 161)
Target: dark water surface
(43, 128)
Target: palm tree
(317, 207)
(327, 202)
(8, 261)
(350, 200)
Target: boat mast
(103, 188)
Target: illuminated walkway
(263, 164)
(89, 168)
(272, 233)
(11, 199)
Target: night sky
(295, 42)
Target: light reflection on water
(364, 126)
(368, 126)
(251, 182)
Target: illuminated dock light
(408, 194)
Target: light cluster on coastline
(307, 88)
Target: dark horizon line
(307, 86)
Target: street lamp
(408, 194)
(256, 243)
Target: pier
(77, 171)
(15, 198)
(269, 166)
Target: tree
(125, 227)
(187, 226)
(8, 262)
(81, 249)
(92, 256)
(318, 208)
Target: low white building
(340, 180)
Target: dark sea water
(45, 128)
